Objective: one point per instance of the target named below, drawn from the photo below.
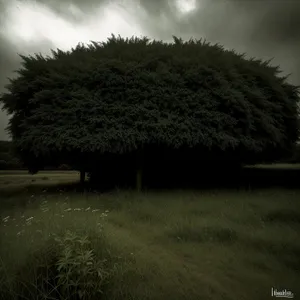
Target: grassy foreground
(154, 245)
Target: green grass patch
(61, 244)
(282, 216)
(203, 234)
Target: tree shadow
(229, 178)
(195, 177)
(232, 178)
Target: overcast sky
(261, 28)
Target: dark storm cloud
(7, 63)
(265, 29)
(261, 28)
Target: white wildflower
(95, 210)
(88, 209)
(6, 219)
(29, 219)
(107, 211)
(77, 209)
(68, 209)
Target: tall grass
(150, 245)
(48, 250)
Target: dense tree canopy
(126, 95)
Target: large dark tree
(136, 102)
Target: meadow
(58, 241)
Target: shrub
(64, 268)
(80, 273)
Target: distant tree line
(9, 159)
(294, 157)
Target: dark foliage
(8, 158)
(295, 157)
(177, 104)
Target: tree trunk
(82, 177)
(139, 171)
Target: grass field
(167, 244)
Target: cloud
(261, 28)
(31, 27)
